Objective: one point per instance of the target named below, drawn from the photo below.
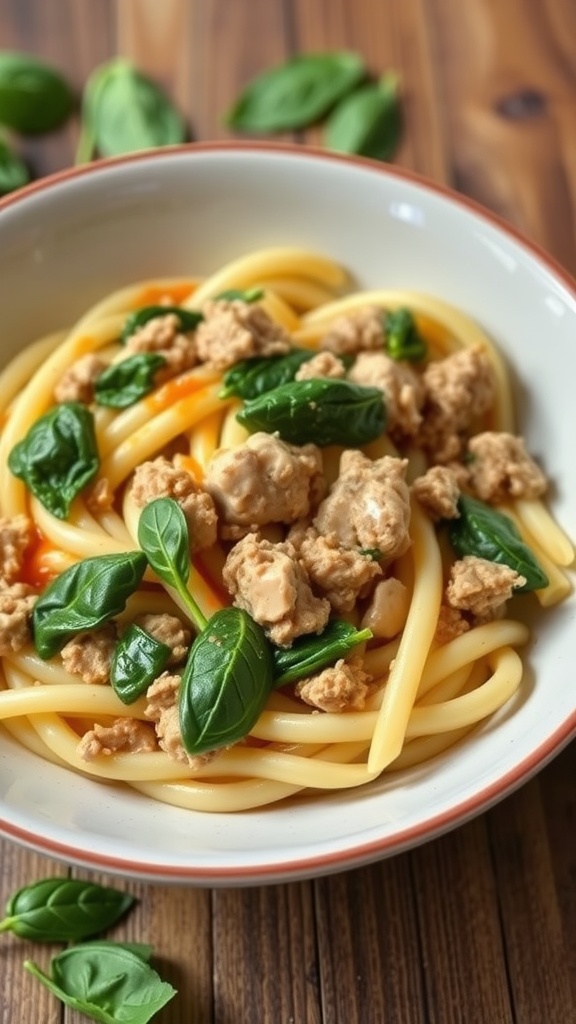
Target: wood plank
(368, 946)
(531, 917)
(390, 36)
(508, 93)
(23, 998)
(176, 923)
(265, 959)
(461, 943)
(558, 794)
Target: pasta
(433, 626)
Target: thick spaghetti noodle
(425, 683)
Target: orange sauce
(153, 295)
(36, 568)
(173, 391)
(191, 465)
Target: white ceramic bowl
(68, 240)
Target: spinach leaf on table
(297, 93)
(124, 111)
(63, 910)
(367, 122)
(34, 97)
(110, 982)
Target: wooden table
(480, 925)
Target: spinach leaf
(124, 111)
(323, 411)
(310, 654)
(249, 378)
(164, 538)
(109, 982)
(297, 93)
(189, 318)
(63, 910)
(58, 457)
(124, 383)
(83, 597)
(486, 533)
(243, 294)
(33, 96)
(367, 122)
(226, 681)
(138, 659)
(402, 338)
(13, 171)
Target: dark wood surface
(480, 925)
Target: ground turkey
(481, 587)
(234, 330)
(342, 687)
(125, 735)
(341, 574)
(163, 336)
(368, 506)
(89, 655)
(438, 492)
(265, 480)
(160, 478)
(323, 365)
(16, 603)
(15, 536)
(500, 468)
(169, 630)
(77, 383)
(402, 387)
(162, 709)
(268, 582)
(459, 389)
(359, 331)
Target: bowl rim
(354, 855)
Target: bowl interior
(68, 242)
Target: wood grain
(480, 925)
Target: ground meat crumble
(368, 506)
(341, 687)
(125, 735)
(481, 587)
(162, 709)
(17, 601)
(234, 330)
(268, 581)
(160, 478)
(500, 468)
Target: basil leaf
(226, 681)
(83, 597)
(13, 171)
(249, 378)
(323, 411)
(123, 111)
(402, 338)
(243, 294)
(138, 659)
(296, 93)
(108, 982)
(189, 319)
(33, 97)
(63, 910)
(368, 121)
(164, 538)
(486, 533)
(126, 382)
(58, 457)
(310, 654)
